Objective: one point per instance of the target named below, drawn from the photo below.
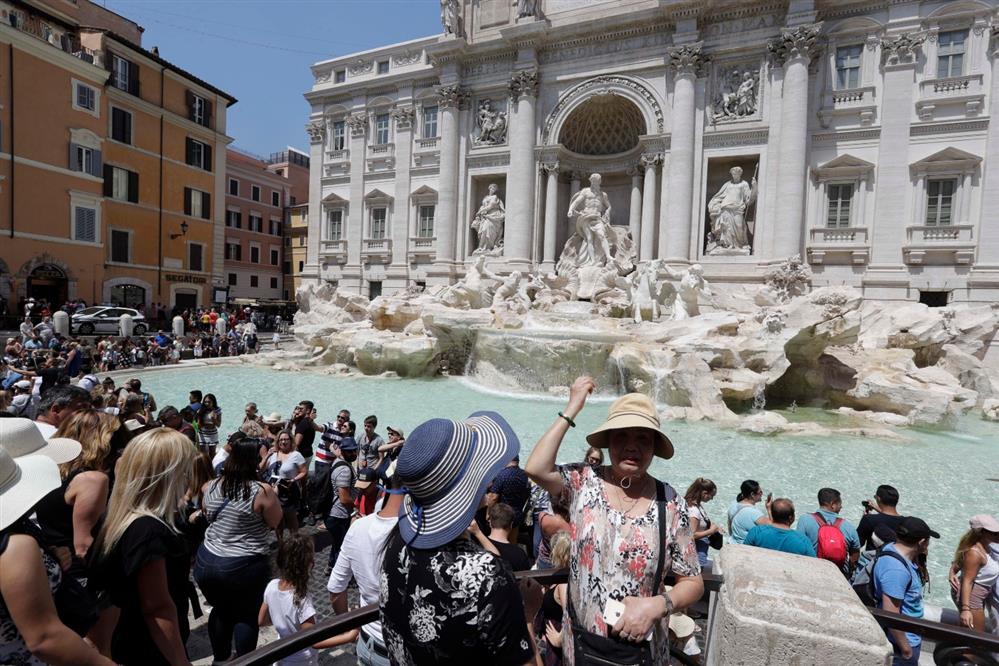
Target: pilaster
(521, 175)
(450, 100)
(988, 234)
(793, 50)
(357, 125)
(402, 223)
(317, 141)
(894, 189)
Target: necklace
(625, 500)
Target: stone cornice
(798, 42)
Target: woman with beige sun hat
(629, 530)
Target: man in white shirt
(360, 559)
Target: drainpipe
(10, 77)
(159, 234)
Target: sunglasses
(592, 460)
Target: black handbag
(715, 540)
(591, 649)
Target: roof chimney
(155, 51)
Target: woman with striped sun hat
(443, 598)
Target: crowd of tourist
(115, 511)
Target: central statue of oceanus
(590, 210)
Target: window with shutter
(119, 184)
(426, 224)
(254, 281)
(255, 193)
(85, 224)
(187, 201)
(254, 254)
(119, 246)
(133, 187)
(206, 206)
(81, 158)
(121, 125)
(274, 283)
(234, 187)
(276, 199)
(274, 258)
(232, 280)
(194, 257)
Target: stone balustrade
(968, 90)
(377, 250)
(422, 248)
(951, 242)
(853, 242)
(335, 250)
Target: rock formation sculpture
(473, 291)
(787, 280)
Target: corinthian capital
(452, 96)
(687, 60)
(316, 131)
(358, 123)
(524, 82)
(901, 49)
(549, 168)
(403, 116)
(798, 42)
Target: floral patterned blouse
(456, 604)
(13, 650)
(616, 556)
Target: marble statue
(511, 294)
(488, 223)
(473, 291)
(451, 17)
(730, 231)
(492, 124)
(590, 210)
(788, 279)
(547, 289)
(528, 8)
(645, 291)
(613, 291)
(691, 285)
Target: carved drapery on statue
(488, 224)
(729, 211)
(451, 19)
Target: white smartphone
(613, 610)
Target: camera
(867, 505)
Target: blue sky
(259, 51)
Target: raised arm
(541, 465)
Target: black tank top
(55, 516)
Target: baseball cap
(365, 478)
(397, 431)
(984, 521)
(88, 383)
(915, 528)
(348, 444)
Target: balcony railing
(377, 249)
(335, 249)
(337, 155)
(955, 242)
(850, 241)
(422, 247)
(857, 102)
(381, 149)
(428, 144)
(959, 233)
(968, 90)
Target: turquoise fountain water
(941, 475)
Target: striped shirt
(236, 530)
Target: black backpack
(319, 488)
(863, 582)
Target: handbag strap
(662, 492)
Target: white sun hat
(23, 483)
(19, 437)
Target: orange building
(112, 165)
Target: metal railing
(285, 647)
(953, 642)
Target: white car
(104, 319)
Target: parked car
(104, 319)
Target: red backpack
(831, 544)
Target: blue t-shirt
(902, 582)
(775, 538)
(742, 518)
(808, 526)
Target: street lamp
(183, 231)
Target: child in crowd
(286, 600)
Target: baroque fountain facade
(720, 203)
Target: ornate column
(450, 99)
(317, 136)
(551, 215)
(674, 238)
(793, 50)
(401, 223)
(988, 234)
(521, 176)
(635, 212)
(894, 186)
(650, 161)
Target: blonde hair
(561, 545)
(5, 399)
(969, 540)
(93, 430)
(150, 480)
